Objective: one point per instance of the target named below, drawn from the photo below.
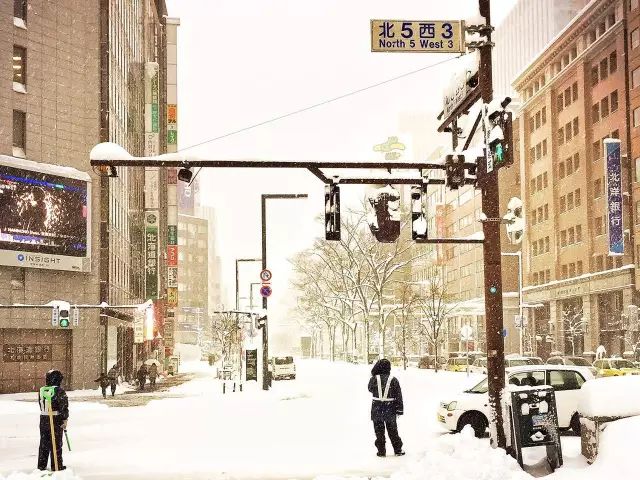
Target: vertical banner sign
(613, 172)
(138, 327)
(251, 365)
(151, 188)
(172, 124)
(151, 254)
(151, 110)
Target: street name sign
(422, 36)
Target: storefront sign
(172, 277)
(172, 297)
(613, 172)
(252, 365)
(151, 255)
(26, 352)
(138, 328)
(172, 255)
(151, 188)
(172, 234)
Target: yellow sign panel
(172, 297)
(426, 36)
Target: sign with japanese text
(34, 352)
(251, 365)
(426, 36)
(151, 188)
(172, 176)
(613, 177)
(151, 254)
(152, 109)
(172, 232)
(172, 297)
(138, 327)
(172, 277)
(172, 255)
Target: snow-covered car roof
(531, 368)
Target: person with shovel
(54, 413)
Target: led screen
(42, 213)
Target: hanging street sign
(265, 275)
(266, 291)
(423, 36)
(613, 172)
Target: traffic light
(64, 318)
(332, 211)
(418, 214)
(455, 171)
(500, 139)
(383, 214)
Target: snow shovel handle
(66, 435)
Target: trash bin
(532, 421)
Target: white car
(283, 367)
(479, 366)
(471, 407)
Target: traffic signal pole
(492, 259)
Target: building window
(635, 78)
(598, 224)
(595, 77)
(19, 64)
(565, 272)
(576, 128)
(561, 130)
(560, 102)
(576, 161)
(595, 112)
(544, 115)
(576, 197)
(578, 233)
(604, 107)
(597, 152)
(597, 188)
(635, 38)
(604, 68)
(613, 62)
(19, 133)
(563, 204)
(614, 101)
(561, 173)
(638, 169)
(574, 91)
(567, 132)
(20, 9)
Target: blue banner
(614, 196)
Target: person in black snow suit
(103, 380)
(385, 406)
(60, 412)
(142, 376)
(113, 378)
(153, 374)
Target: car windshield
(460, 361)
(535, 361)
(482, 387)
(518, 362)
(622, 364)
(283, 360)
(578, 361)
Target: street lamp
(238, 260)
(265, 333)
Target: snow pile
(37, 474)
(457, 457)
(611, 397)
(109, 151)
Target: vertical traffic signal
(64, 318)
(500, 139)
(418, 214)
(455, 171)
(332, 211)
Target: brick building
(577, 92)
(73, 77)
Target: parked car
(471, 407)
(429, 361)
(283, 367)
(572, 360)
(517, 361)
(479, 366)
(534, 360)
(458, 364)
(615, 367)
(413, 360)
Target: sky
(244, 63)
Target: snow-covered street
(317, 425)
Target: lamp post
(265, 331)
(520, 305)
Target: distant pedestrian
(153, 374)
(113, 378)
(103, 381)
(54, 413)
(386, 406)
(142, 376)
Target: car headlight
(452, 406)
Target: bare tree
(225, 332)
(403, 318)
(434, 305)
(574, 325)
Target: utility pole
(492, 258)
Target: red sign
(172, 255)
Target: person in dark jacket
(58, 408)
(153, 374)
(142, 376)
(103, 380)
(385, 406)
(113, 378)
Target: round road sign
(265, 291)
(265, 275)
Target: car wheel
(476, 420)
(575, 424)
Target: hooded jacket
(59, 401)
(385, 409)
